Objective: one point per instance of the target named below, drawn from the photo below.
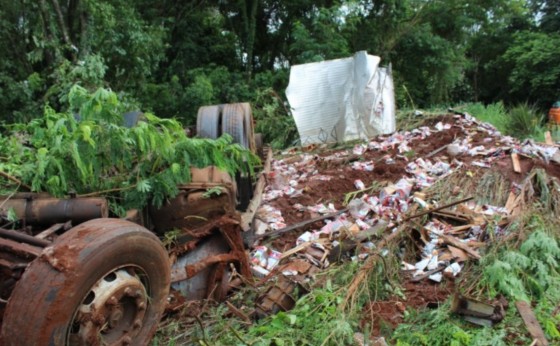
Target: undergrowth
(317, 318)
(529, 272)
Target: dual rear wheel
(235, 119)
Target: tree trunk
(64, 29)
(249, 18)
(48, 36)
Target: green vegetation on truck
(87, 151)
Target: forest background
(171, 57)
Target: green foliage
(527, 274)
(135, 166)
(536, 66)
(214, 191)
(321, 40)
(315, 320)
(273, 120)
(523, 122)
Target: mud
(384, 316)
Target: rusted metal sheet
(202, 272)
(190, 270)
(284, 291)
(281, 296)
(48, 211)
(193, 206)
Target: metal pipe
(48, 211)
(24, 238)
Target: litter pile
(321, 207)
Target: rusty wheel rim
(112, 311)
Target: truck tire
(233, 123)
(104, 282)
(249, 126)
(208, 122)
(259, 145)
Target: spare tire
(249, 126)
(233, 123)
(208, 122)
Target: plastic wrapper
(453, 269)
(359, 149)
(359, 184)
(358, 208)
(259, 256)
(273, 259)
(363, 166)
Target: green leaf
(143, 186)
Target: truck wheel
(208, 122)
(104, 282)
(249, 126)
(259, 145)
(233, 123)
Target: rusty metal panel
(191, 209)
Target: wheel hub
(112, 312)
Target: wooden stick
(516, 164)
(438, 208)
(299, 225)
(548, 138)
(437, 151)
(426, 274)
(296, 249)
(238, 312)
(531, 322)
(458, 244)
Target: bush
(524, 121)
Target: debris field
(324, 205)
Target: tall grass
(494, 114)
(521, 121)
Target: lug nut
(137, 324)
(111, 301)
(126, 340)
(127, 291)
(138, 293)
(141, 306)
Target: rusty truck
(72, 275)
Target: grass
(521, 121)
(495, 114)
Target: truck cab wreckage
(72, 275)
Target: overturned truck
(72, 275)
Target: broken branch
(15, 180)
(299, 225)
